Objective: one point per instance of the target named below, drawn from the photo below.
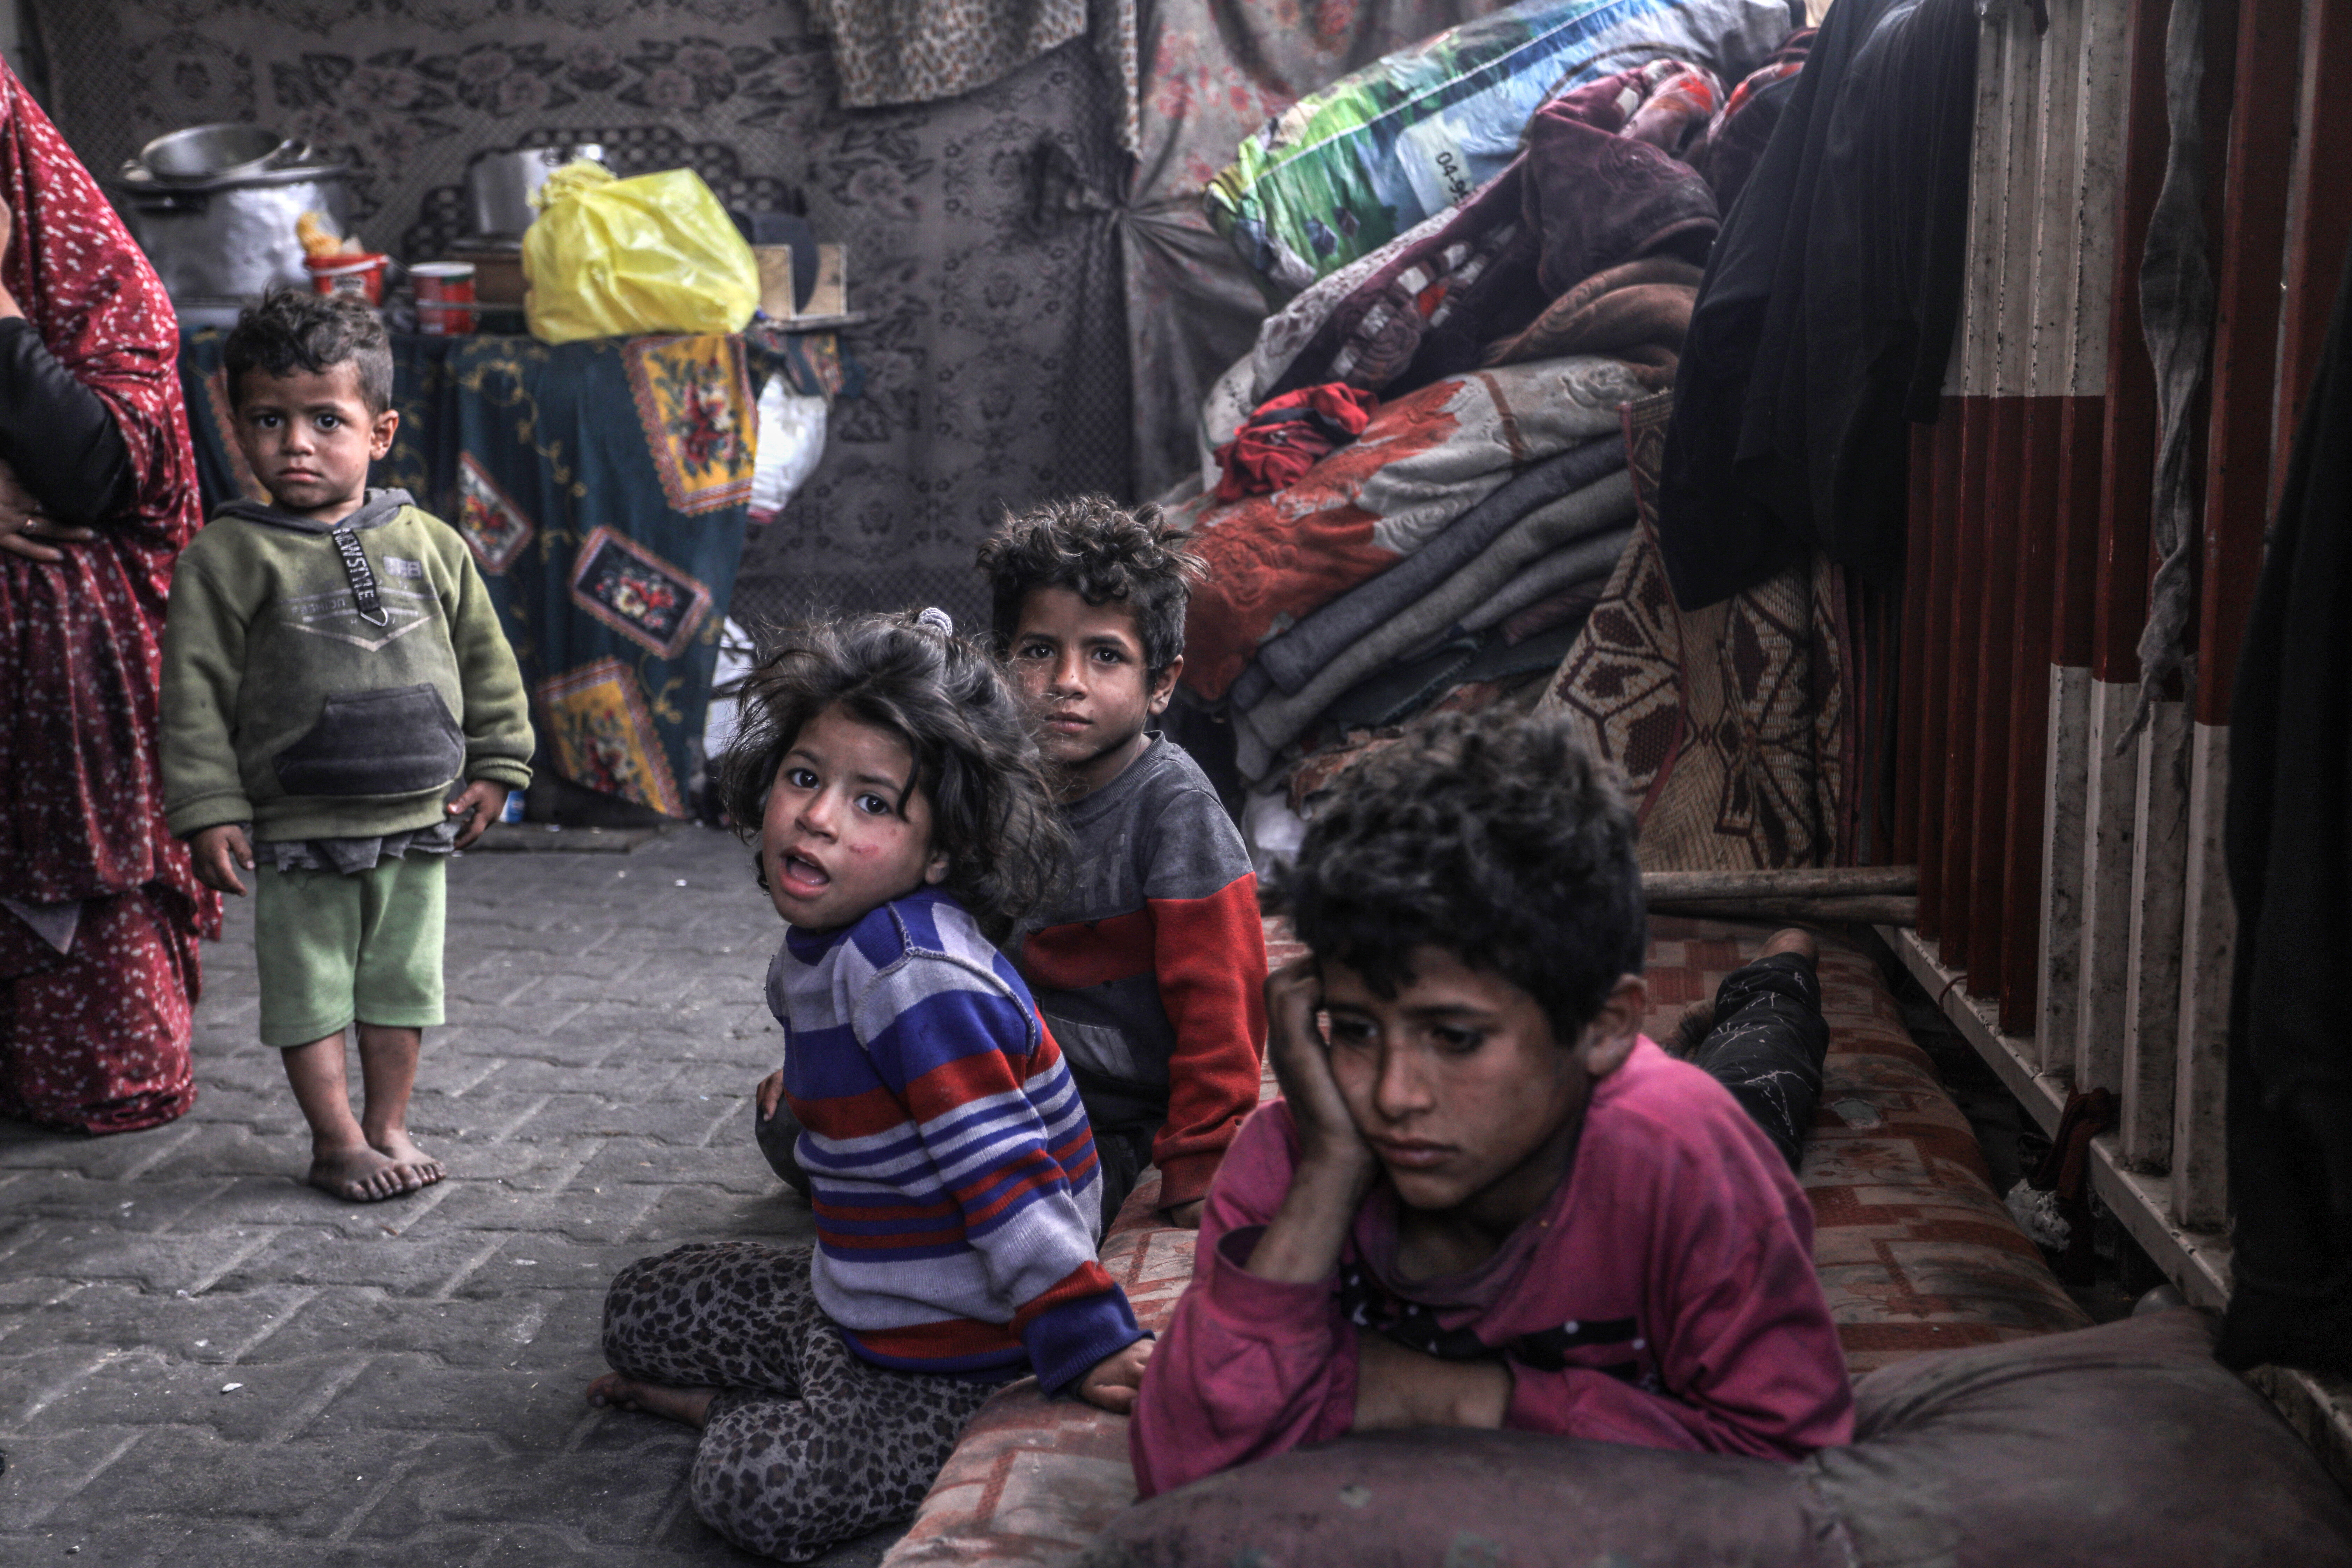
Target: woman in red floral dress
(100, 911)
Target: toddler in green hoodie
(332, 671)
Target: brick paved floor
(407, 1376)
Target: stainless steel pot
(216, 153)
(499, 184)
(230, 237)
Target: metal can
(445, 297)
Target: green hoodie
(284, 708)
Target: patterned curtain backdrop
(979, 230)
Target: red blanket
(1424, 459)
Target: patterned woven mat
(1915, 1251)
(1736, 725)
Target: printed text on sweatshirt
(284, 705)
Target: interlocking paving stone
(411, 1372)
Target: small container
(360, 275)
(445, 297)
(513, 813)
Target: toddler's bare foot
(1796, 940)
(415, 1167)
(358, 1174)
(691, 1405)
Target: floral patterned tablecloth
(603, 488)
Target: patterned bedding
(1915, 1249)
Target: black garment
(1768, 1045)
(1828, 309)
(1125, 1155)
(58, 435)
(2288, 837)
(777, 1135)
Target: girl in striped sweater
(905, 826)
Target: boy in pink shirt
(1487, 1199)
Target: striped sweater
(957, 1194)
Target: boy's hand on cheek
(1301, 1244)
(219, 852)
(474, 810)
(1302, 1064)
(1112, 1382)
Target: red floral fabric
(80, 652)
(96, 1038)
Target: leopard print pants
(807, 1445)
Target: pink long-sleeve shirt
(1664, 1297)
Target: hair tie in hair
(939, 620)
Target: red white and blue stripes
(957, 1193)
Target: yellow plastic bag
(610, 258)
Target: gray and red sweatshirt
(1150, 968)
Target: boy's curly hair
(292, 328)
(991, 814)
(1499, 840)
(1100, 551)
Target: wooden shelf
(815, 323)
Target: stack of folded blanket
(1459, 534)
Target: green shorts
(333, 947)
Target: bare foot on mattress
(1796, 940)
(416, 1168)
(358, 1176)
(691, 1405)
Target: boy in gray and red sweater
(1150, 966)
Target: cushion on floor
(1913, 1248)
(2122, 1443)
(1916, 1250)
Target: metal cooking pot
(499, 185)
(230, 237)
(214, 153)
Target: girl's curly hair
(991, 814)
(1499, 840)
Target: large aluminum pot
(214, 153)
(231, 237)
(499, 185)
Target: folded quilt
(1562, 569)
(1260, 733)
(1426, 457)
(1291, 659)
(1413, 686)
(1636, 313)
(1573, 604)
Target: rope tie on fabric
(362, 575)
